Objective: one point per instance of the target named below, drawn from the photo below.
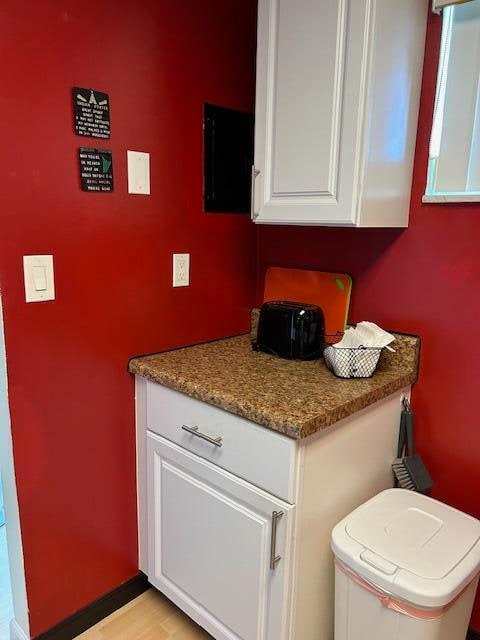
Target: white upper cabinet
(338, 86)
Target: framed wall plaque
(91, 112)
(96, 170)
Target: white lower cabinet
(214, 548)
(235, 519)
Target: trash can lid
(415, 548)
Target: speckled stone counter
(292, 397)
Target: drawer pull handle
(274, 559)
(195, 432)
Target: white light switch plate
(39, 278)
(181, 269)
(138, 169)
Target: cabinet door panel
(209, 545)
(306, 98)
(311, 66)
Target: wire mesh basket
(345, 362)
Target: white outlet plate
(181, 269)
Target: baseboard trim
(16, 631)
(98, 610)
(473, 635)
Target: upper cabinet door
(325, 68)
(308, 92)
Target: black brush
(409, 469)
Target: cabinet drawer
(260, 456)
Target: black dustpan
(409, 469)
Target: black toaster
(290, 330)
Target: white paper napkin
(365, 334)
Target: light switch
(138, 169)
(39, 279)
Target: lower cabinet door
(218, 547)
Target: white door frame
(19, 628)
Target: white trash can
(406, 569)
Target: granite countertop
(289, 396)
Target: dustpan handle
(409, 429)
(402, 435)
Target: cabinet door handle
(274, 559)
(217, 441)
(255, 173)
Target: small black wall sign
(91, 110)
(96, 169)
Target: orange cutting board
(330, 291)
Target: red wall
(71, 396)
(423, 280)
